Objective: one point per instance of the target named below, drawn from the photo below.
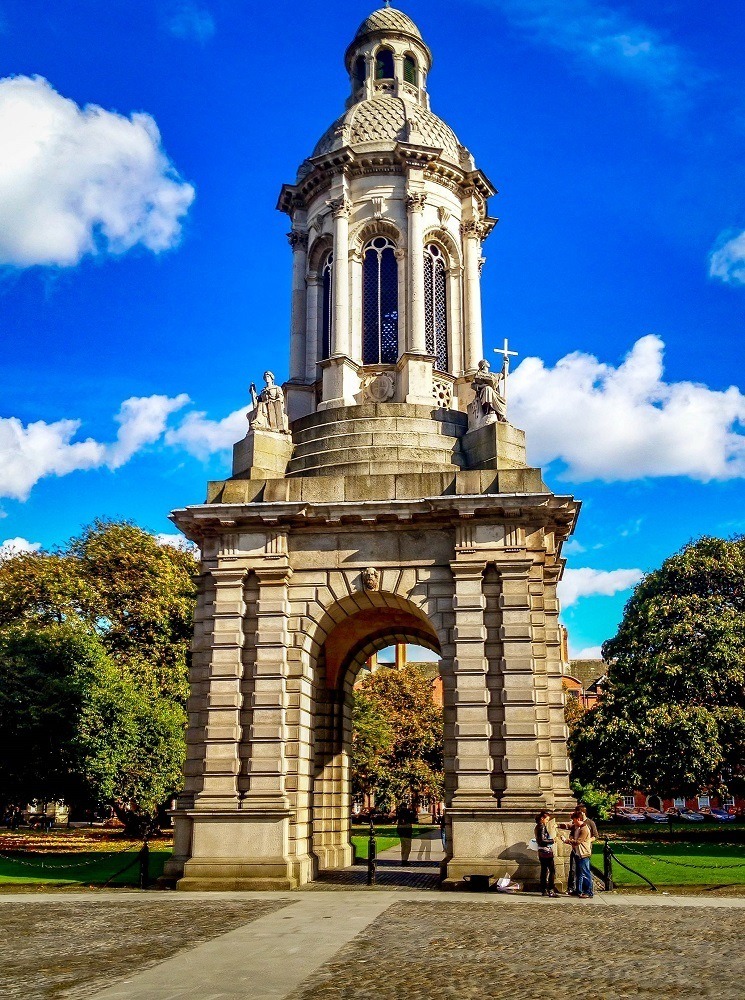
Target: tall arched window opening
(379, 303)
(384, 65)
(410, 73)
(435, 305)
(327, 304)
(360, 71)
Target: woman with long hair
(546, 854)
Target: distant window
(327, 304)
(360, 71)
(384, 65)
(435, 306)
(679, 803)
(573, 694)
(704, 802)
(629, 801)
(379, 303)
(410, 73)
(729, 802)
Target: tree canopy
(672, 716)
(397, 737)
(93, 668)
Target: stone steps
(377, 438)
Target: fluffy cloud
(30, 452)
(727, 261)
(77, 181)
(175, 542)
(201, 436)
(577, 583)
(627, 423)
(600, 35)
(588, 653)
(16, 546)
(190, 21)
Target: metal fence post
(608, 867)
(371, 855)
(144, 879)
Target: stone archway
(359, 634)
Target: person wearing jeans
(580, 840)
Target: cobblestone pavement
(479, 950)
(389, 875)
(71, 949)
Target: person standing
(546, 854)
(580, 840)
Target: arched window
(327, 304)
(360, 71)
(379, 303)
(410, 73)
(384, 65)
(435, 305)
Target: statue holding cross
(490, 388)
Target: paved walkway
(366, 946)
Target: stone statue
(490, 404)
(371, 578)
(268, 413)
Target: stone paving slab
(477, 950)
(70, 948)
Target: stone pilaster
(340, 335)
(472, 729)
(417, 337)
(521, 762)
(222, 729)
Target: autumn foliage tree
(397, 738)
(672, 716)
(93, 669)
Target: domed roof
(389, 119)
(388, 19)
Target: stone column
(266, 764)
(222, 731)
(299, 243)
(312, 328)
(417, 335)
(521, 763)
(472, 730)
(340, 340)
(472, 232)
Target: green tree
(672, 717)
(73, 726)
(397, 742)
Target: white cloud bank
(605, 37)
(727, 261)
(626, 422)
(77, 181)
(201, 437)
(176, 542)
(588, 653)
(584, 582)
(16, 547)
(30, 452)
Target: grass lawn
(385, 837)
(82, 868)
(667, 864)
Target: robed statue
(268, 412)
(490, 404)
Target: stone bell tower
(380, 496)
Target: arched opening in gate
(352, 640)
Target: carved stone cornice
(297, 240)
(473, 229)
(415, 201)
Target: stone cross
(506, 355)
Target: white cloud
(77, 181)
(201, 436)
(602, 36)
(16, 547)
(588, 653)
(584, 582)
(190, 21)
(30, 452)
(175, 542)
(727, 261)
(572, 548)
(627, 423)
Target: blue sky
(142, 258)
